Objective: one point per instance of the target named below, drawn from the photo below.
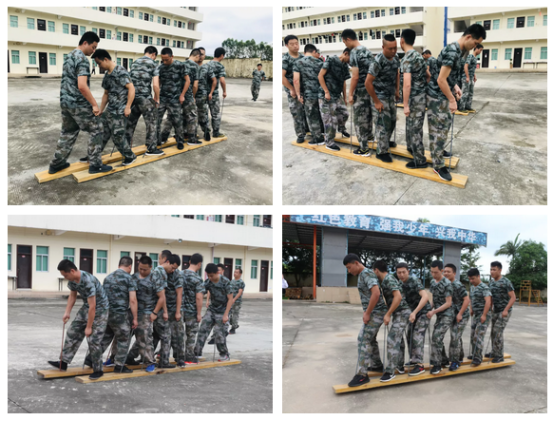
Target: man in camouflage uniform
(221, 271)
(144, 74)
(213, 104)
(257, 77)
(441, 289)
(174, 300)
(237, 288)
(90, 321)
(503, 298)
(190, 110)
(332, 80)
(193, 295)
(360, 61)
(383, 84)
(217, 315)
(119, 94)
(306, 71)
(206, 86)
(418, 301)
(469, 79)
(295, 106)
(79, 108)
(460, 303)
(414, 72)
(481, 303)
(430, 62)
(442, 92)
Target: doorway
(485, 59)
(85, 260)
(517, 57)
(42, 62)
(264, 276)
(185, 262)
(228, 267)
(24, 267)
(126, 63)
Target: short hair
(289, 37)
(402, 265)
(346, 50)
(167, 51)
(66, 266)
(221, 266)
(195, 52)
(437, 264)
(101, 54)
(476, 31)
(427, 52)
(473, 272)
(174, 260)
(145, 260)
(211, 268)
(240, 270)
(196, 258)
(389, 38)
(349, 34)
(89, 37)
(409, 36)
(310, 48)
(350, 258)
(219, 51)
(166, 253)
(381, 266)
(451, 266)
(260, 64)
(478, 47)
(496, 264)
(151, 50)
(201, 48)
(125, 261)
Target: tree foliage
(247, 49)
(509, 248)
(529, 264)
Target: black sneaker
(165, 365)
(360, 152)
(475, 363)
(333, 148)
(181, 364)
(217, 135)
(377, 368)
(488, 355)
(96, 375)
(400, 370)
(130, 361)
(445, 363)
(436, 369)
(470, 110)
(313, 142)
(410, 364)
(154, 152)
(344, 133)
(122, 369)
(57, 364)
(454, 366)
(392, 145)
(198, 354)
(129, 161)
(358, 380)
(162, 141)
(321, 141)
(54, 169)
(180, 145)
(192, 360)
(212, 341)
(443, 173)
(207, 136)
(385, 157)
(193, 142)
(101, 169)
(84, 160)
(232, 331)
(470, 357)
(446, 154)
(497, 360)
(414, 165)
(299, 140)
(387, 377)
(417, 370)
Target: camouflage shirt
(76, 64)
(205, 76)
(367, 280)
(117, 286)
(288, 64)
(308, 67)
(388, 286)
(218, 294)
(89, 286)
(193, 285)
(142, 72)
(174, 281)
(414, 64)
(477, 297)
(440, 291)
(237, 284)
(192, 70)
(147, 291)
(172, 81)
(459, 291)
(361, 58)
(411, 289)
(114, 83)
(500, 290)
(385, 72)
(337, 74)
(450, 56)
(219, 72)
(257, 76)
(471, 62)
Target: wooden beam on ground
(458, 180)
(457, 112)
(83, 176)
(143, 373)
(404, 378)
(400, 150)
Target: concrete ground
(234, 172)
(502, 149)
(34, 335)
(320, 351)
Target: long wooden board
(458, 180)
(400, 150)
(457, 112)
(83, 176)
(405, 378)
(142, 373)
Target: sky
(240, 23)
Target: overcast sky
(240, 23)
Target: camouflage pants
(177, 329)
(234, 315)
(162, 333)
(190, 116)
(255, 88)
(415, 335)
(147, 108)
(414, 127)
(175, 118)
(114, 126)
(215, 111)
(298, 116)
(368, 348)
(498, 325)
(395, 356)
(385, 123)
(467, 95)
(442, 324)
(334, 115)
(119, 331)
(76, 334)
(311, 110)
(439, 118)
(478, 333)
(362, 117)
(73, 121)
(203, 113)
(456, 350)
(143, 342)
(191, 329)
(209, 321)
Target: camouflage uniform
(77, 112)
(361, 58)
(309, 67)
(142, 72)
(368, 348)
(257, 76)
(456, 351)
(500, 298)
(467, 87)
(439, 116)
(295, 107)
(172, 82)
(334, 112)
(161, 328)
(415, 334)
(190, 110)
(385, 72)
(219, 72)
(478, 329)
(440, 290)
(177, 332)
(236, 285)
(87, 287)
(205, 76)
(414, 64)
(192, 285)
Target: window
(14, 21)
(9, 257)
(102, 9)
(494, 54)
(30, 23)
(119, 10)
(520, 22)
(125, 36)
(218, 218)
(174, 43)
(397, 10)
(15, 56)
(216, 260)
(130, 63)
(140, 15)
(74, 30)
(508, 54)
(528, 53)
(102, 261)
(365, 16)
(108, 34)
(102, 33)
(545, 20)
(155, 262)
(191, 26)
(238, 263)
(146, 16)
(478, 22)
(164, 21)
(159, 19)
(151, 18)
(64, 57)
(377, 13)
(240, 219)
(397, 34)
(51, 26)
(496, 24)
(254, 270)
(175, 216)
(125, 254)
(125, 12)
(510, 24)
(42, 259)
(149, 40)
(372, 14)
(119, 61)
(403, 10)
(256, 221)
(158, 41)
(82, 30)
(131, 37)
(530, 21)
(95, 30)
(365, 36)
(52, 59)
(41, 24)
(487, 25)
(66, 28)
(391, 12)
(131, 13)
(118, 37)
(544, 53)
(69, 254)
(32, 57)
(94, 8)
(109, 9)
(140, 39)
(200, 217)
(383, 13)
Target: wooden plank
(458, 180)
(457, 112)
(400, 150)
(460, 113)
(142, 373)
(83, 176)
(404, 378)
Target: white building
(36, 244)
(39, 38)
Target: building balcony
(374, 45)
(508, 35)
(469, 12)
(180, 13)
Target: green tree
(529, 264)
(298, 261)
(469, 258)
(509, 248)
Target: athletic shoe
(129, 161)
(475, 363)
(207, 136)
(445, 363)
(443, 173)
(497, 360)
(101, 169)
(360, 152)
(181, 364)
(418, 369)
(54, 169)
(130, 361)
(470, 110)
(400, 370)
(57, 364)
(194, 142)
(226, 357)
(150, 368)
(378, 368)
(436, 369)
(385, 157)
(161, 365)
(321, 141)
(358, 380)
(462, 111)
(410, 364)
(180, 145)
(313, 142)
(446, 154)
(470, 357)
(387, 377)
(96, 375)
(84, 160)
(299, 140)
(122, 369)
(216, 135)
(212, 341)
(392, 145)
(232, 331)
(345, 133)
(454, 366)
(333, 148)
(154, 152)
(414, 165)
(192, 360)
(488, 355)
